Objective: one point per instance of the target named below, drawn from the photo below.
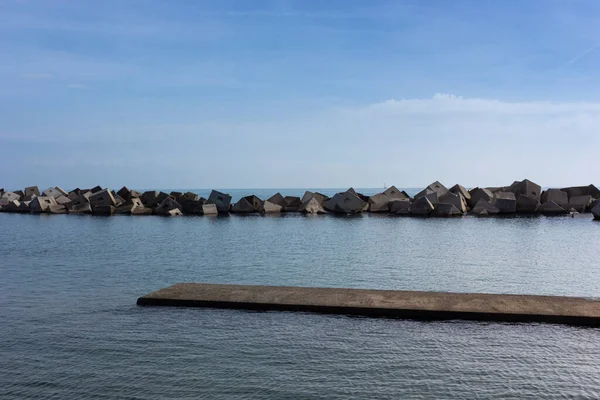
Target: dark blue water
(69, 327)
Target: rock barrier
(521, 197)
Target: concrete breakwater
(381, 303)
(436, 200)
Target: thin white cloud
(582, 55)
(77, 86)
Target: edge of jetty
(381, 303)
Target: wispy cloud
(582, 55)
(77, 86)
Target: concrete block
(190, 196)
(42, 204)
(8, 197)
(321, 198)
(31, 192)
(209, 209)
(429, 194)
(221, 200)
(103, 209)
(312, 206)
(421, 206)
(63, 200)
(479, 194)
(52, 192)
(270, 208)
(556, 195)
(506, 202)
(175, 212)
(243, 206)
(150, 198)
(292, 204)
(346, 203)
(458, 189)
(96, 189)
(580, 203)
(378, 203)
(399, 206)
(278, 199)
(103, 198)
(394, 193)
(82, 208)
(57, 209)
(527, 204)
(526, 188)
(166, 206)
(596, 211)
(484, 207)
(457, 200)
(551, 208)
(446, 210)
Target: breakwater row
(521, 197)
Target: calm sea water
(69, 327)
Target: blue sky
(298, 93)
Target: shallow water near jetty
(70, 327)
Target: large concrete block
(42, 204)
(150, 198)
(556, 195)
(103, 198)
(12, 206)
(506, 202)
(243, 206)
(526, 188)
(484, 207)
(166, 206)
(54, 192)
(24, 207)
(394, 193)
(82, 208)
(209, 209)
(576, 191)
(63, 200)
(378, 203)
(479, 194)
(190, 196)
(96, 189)
(312, 206)
(125, 194)
(8, 197)
(346, 203)
(175, 212)
(141, 210)
(31, 192)
(321, 198)
(270, 208)
(459, 189)
(457, 200)
(446, 210)
(429, 194)
(221, 200)
(191, 207)
(421, 206)
(527, 204)
(580, 203)
(551, 208)
(596, 211)
(278, 199)
(399, 206)
(292, 204)
(438, 188)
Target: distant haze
(284, 94)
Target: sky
(293, 94)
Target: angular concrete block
(150, 198)
(57, 209)
(8, 197)
(457, 200)
(556, 195)
(394, 193)
(446, 210)
(52, 192)
(527, 205)
(479, 194)
(484, 207)
(190, 196)
(506, 202)
(551, 208)
(103, 198)
(243, 206)
(346, 203)
(96, 189)
(31, 192)
(175, 212)
(103, 210)
(378, 203)
(312, 206)
(221, 200)
(209, 209)
(526, 188)
(580, 203)
(82, 208)
(292, 204)
(166, 206)
(399, 206)
(421, 206)
(596, 211)
(42, 204)
(270, 208)
(458, 189)
(429, 194)
(278, 199)
(321, 198)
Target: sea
(70, 327)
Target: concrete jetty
(382, 303)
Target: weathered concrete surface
(221, 200)
(399, 206)
(388, 303)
